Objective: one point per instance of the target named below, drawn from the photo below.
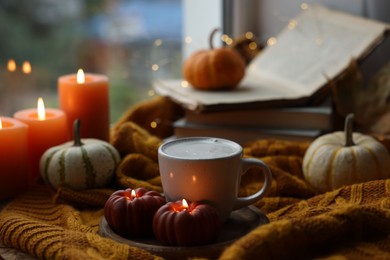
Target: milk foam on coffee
(201, 148)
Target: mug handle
(248, 163)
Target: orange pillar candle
(47, 128)
(13, 157)
(86, 97)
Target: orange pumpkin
(214, 69)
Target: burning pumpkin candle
(86, 97)
(130, 212)
(13, 157)
(186, 224)
(47, 128)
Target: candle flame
(80, 76)
(184, 203)
(133, 195)
(11, 65)
(26, 67)
(1, 125)
(41, 109)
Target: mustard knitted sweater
(352, 222)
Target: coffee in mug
(208, 170)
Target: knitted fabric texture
(352, 222)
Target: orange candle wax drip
(86, 97)
(13, 157)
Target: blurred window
(128, 40)
(131, 41)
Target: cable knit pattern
(352, 222)
(37, 226)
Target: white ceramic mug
(209, 170)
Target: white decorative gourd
(81, 164)
(344, 158)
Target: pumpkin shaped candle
(186, 224)
(81, 164)
(214, 69)
(130, 212)
(345, 158)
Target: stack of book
(293, 123)
(286, 85)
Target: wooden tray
(239, 223)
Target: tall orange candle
(13, 157)
(86, 97)
(47, 128)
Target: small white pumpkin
(79, 164)
(344, 158)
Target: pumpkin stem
(348, 130)
(211, 37)
(76, 133)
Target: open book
(317, 45)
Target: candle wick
(76, 133)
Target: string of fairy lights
(226, 39)
(252, 44)
(155, 67)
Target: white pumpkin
(79, 164)
(344, 158)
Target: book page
(255, 89)
(317, 45)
